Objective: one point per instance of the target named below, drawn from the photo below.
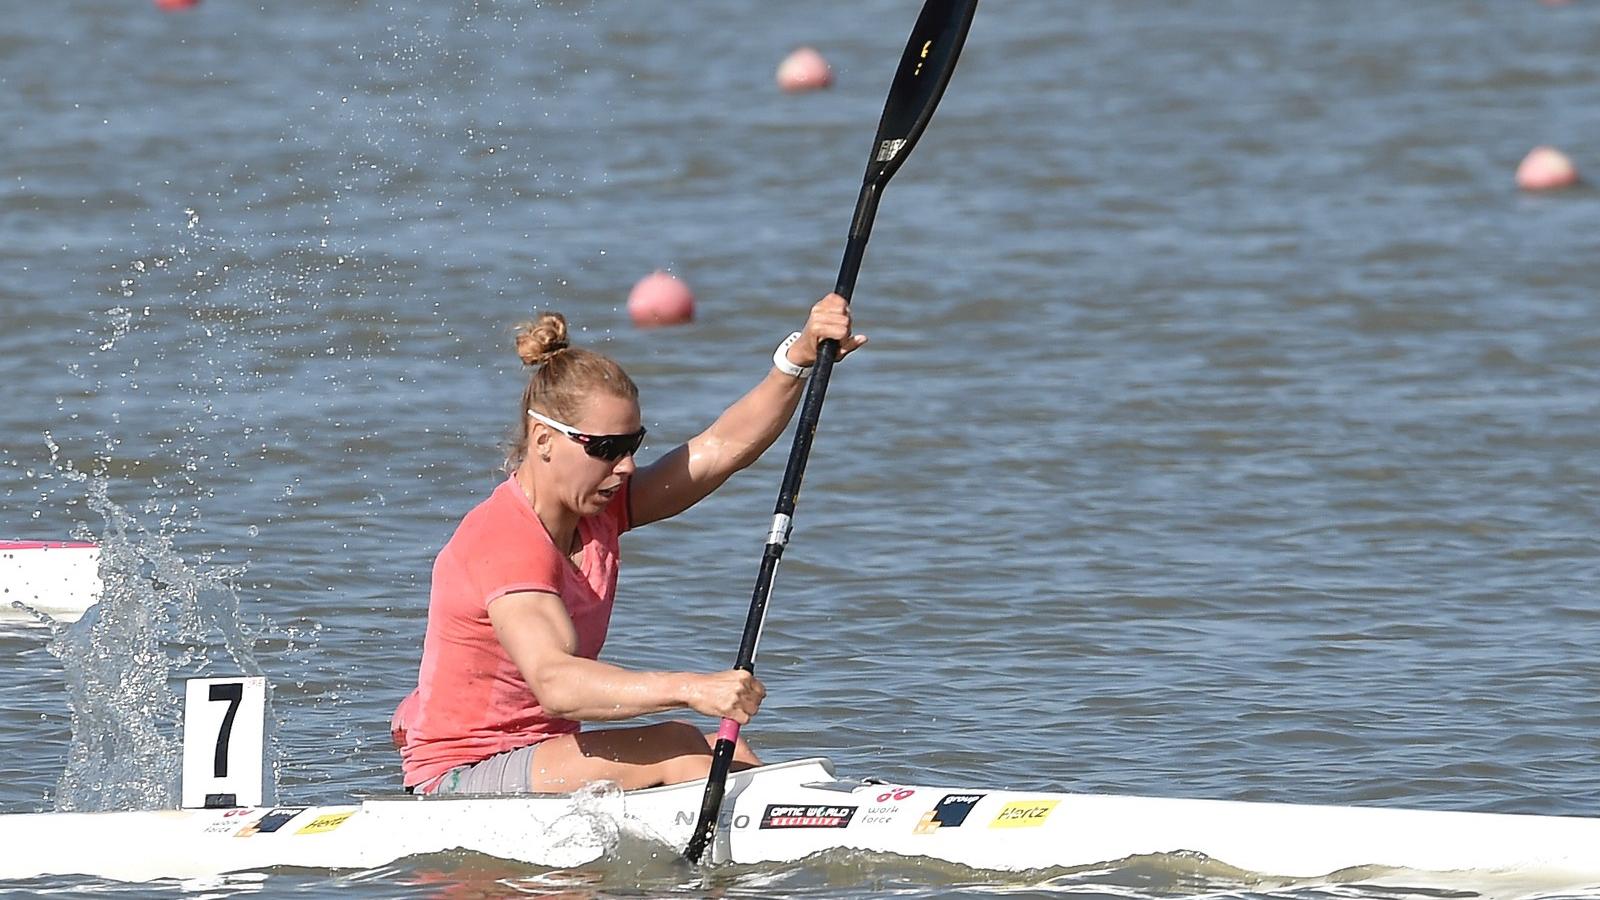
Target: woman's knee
(685, 737)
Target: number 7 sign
(222, 741)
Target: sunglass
(609, 447)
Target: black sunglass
(609, 447)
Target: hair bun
(542, 338)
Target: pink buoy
(804, 70)
(660, 299)
(175, 5)
(1546, 169)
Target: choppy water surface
(1228, 428)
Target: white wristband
(780, 359)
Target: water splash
(591, 829)
(165, 612)
(158, 617)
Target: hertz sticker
(1023, 814)
(327, 823)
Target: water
(1227, 428)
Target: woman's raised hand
(830, 318)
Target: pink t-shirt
(471, 701)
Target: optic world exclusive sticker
(782, 816)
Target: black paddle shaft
(925, 70)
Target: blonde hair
(563, 378)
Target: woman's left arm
(744, 431)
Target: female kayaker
(522, 592)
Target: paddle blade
(925, 69)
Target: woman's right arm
(537, 633)
(744, 431)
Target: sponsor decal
(325, 823)
(886, 806)
(230, 820)
(949, 812)
(779, 815)
(271, 822)
(890, 149)
(1023, 814)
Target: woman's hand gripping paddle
(925, 69)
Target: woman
(522, 592)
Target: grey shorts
(502, 773)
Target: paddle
(925, 69)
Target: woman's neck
(560, 522)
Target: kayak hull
(790, 811)
(58, 578)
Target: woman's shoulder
(498, 543)
(498, 517)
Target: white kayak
(58, 578)
(789, 811)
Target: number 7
(234, 694)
